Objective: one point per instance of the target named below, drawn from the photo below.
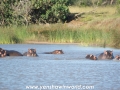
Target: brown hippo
(55, 52)
(13, 53)
(2, 52)
(92, 57)
(31, 52)
(117, 57)
(106, 55)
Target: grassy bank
(60, 33)
(100, 28)
(14, 35)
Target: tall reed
(13, 35)
(60, 34)
(88, 36)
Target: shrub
(24, 12)
(49, 11)
(118, 6)
(6, 12)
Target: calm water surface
(69, 69)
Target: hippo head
(58, 52)
(31, 52)
(2, 53)
(108, 54)
(92, 57)
(117, 57)
(88, 56)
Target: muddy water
(69, 71)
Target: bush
(118, 6)
(6, 12)
(49, 11)
(24, 12)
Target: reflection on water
(70, 68)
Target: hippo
(13, 53)
(117, 57)
(31, 52)
(55, 52)
(106, 55)
(2, 52)
(92, 57)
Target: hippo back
(13, 53)
(57, 52)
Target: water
(69, 71)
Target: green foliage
(118, 6)
(49, 11)
(25, 12)
(6, 12)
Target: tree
(118, 6)
(49, 11)
(25, 12)
(6, 12)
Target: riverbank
(95, 28)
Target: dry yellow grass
(108, 9)
(100, 17)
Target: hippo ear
(90, 55)
(34, 50)
(95, 58)
(29, 50)
(117, 56)
(111, 52)
(105, 52)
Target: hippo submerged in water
(117, 57)
(106, 55)
(4, 53)
(55, 52)
(31, 52)
(92, 57)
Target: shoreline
(37, 42)
(81, 44)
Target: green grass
(84, 37)
(13, 35)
